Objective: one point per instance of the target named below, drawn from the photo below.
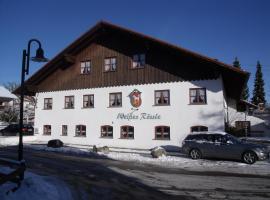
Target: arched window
(198, 128)
(80, 131)
(47, 130)
(162, 132)
(106, 131)
(127, 132)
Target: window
(69, 102)
(162, 97)
(80, 131)
(138, 61)
(64, 130)
(85, 67)
(127, 132)
(110, 64)
(197, 96)
(47, 130)
(106, 131)
(115, 99)
(162, 132)
(88, 101)
(198, 128)
(47, 103)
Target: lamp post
(25, 70)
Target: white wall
(180, 116)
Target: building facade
(119, 88)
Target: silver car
(222, 145)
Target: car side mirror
(229, 142)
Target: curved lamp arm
(28, 53)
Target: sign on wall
(136, 101)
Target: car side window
(210, 138)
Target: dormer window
(110, 64)
(138, 61)
(85, 67)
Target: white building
(119, 88)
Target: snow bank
(35, 187)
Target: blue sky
(220, 29)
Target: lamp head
(39, 56)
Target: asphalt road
(97, 177)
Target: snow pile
(35, 187)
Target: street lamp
(25, 70)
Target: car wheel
(249, 157)
(195, 154)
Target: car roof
(209, 132)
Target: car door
(207, 145)
(225, 148)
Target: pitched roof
(64, 56)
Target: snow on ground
(35, 187)
(175, 160)
(14, 140)
(179, 161)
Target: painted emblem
(135, 98)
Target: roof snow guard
(234, 78)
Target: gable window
(162, 132)
(47, 103)
(127, 132)
(162, 97)
(197, 96)
(80, 131)
(198, 128)
(69, 102)
(85, 67)
(106, 131)
(138, 61)
(88, 101)
(47, 130)
(110, 64)
(116, 99)
(64, 130)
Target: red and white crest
(135, 98)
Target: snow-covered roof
(4, 93)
